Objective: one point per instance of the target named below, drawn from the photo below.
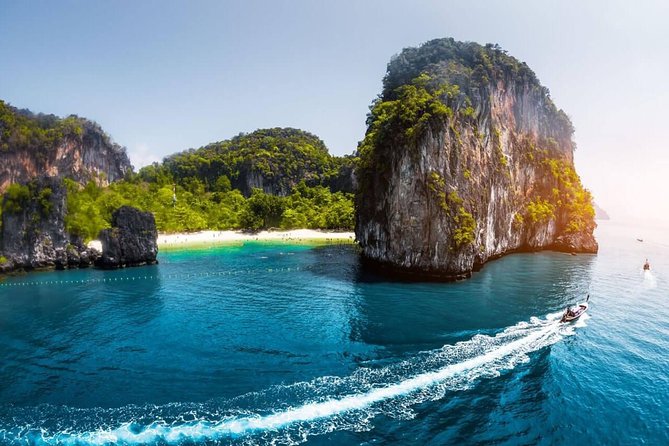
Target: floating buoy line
(151, 277)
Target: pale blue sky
(164, 76)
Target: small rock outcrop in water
(131, 241)
(465, 159)
(33, 234)
(37, 144)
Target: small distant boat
(646, 266)
(573, 313)
(639, 240)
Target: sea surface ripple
(279, 344)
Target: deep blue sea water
(280, 344)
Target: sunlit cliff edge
(466, 158)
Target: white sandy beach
(204, 238)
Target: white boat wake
(329, 403)
(649, 280)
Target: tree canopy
(22, 129)
(271, 178)
(474, 68)
(90, 208)
(207, 188)
(274, 160)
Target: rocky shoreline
(402, 274)
(34, 237)
(131, 241)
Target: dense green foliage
(202, 189)
(282, 157)
(464, 224)
(23, 130)
(571, 196)
(213, 187)
(464, 232)
(18, 197)
(417, 105)
(540, 211)
(316, 207)
(90, 207)
(15, 198)
(468, 63)
(262, 211)
(473, 68)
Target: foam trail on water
(649, 281)
(410, 382)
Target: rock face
(33, 145)
(33, 232)
(344, 180)
(34, 236)
(131, 241)
(465, 159)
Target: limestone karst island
(465, 158)
(285, 223)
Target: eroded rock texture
(33, 235)
(466, 158)
(131, 241)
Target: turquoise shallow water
(277, 344)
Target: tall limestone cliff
(33, 145)
(466, 158)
